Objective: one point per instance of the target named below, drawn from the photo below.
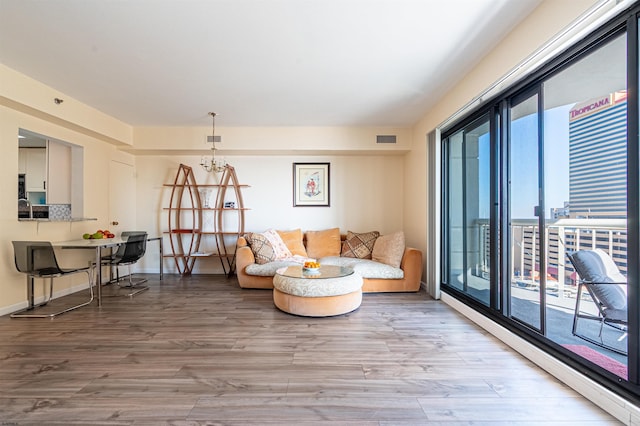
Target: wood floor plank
(199, 350)
(289, 409)
(537, 407)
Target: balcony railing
(562, 236)
(560, 279)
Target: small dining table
(98, 245)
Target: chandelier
(212, 164)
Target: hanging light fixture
(212, 164)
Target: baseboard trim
(610, 402)
(40, 299)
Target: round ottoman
(311, 297)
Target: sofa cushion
(293, 240)
(359, 245)
(261, 248)
(280, 249)
(365, 267)
(268, 269)
(323, 243)
(389, 249)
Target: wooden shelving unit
(186, 225)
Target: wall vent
(218, 139)
(386, 139)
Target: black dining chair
(37, 259)
(128, 254)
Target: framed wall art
(311, 185)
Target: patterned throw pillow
(359, 245)
(280, 249)
(261, 248)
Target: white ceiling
(254, 62)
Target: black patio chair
(37, 259)
(607, 287)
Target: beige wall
(96, 171)
(373, 187)
(271, 140)
(366, 194)
(25, 94)
(540, 26)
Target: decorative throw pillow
(389, 249)
(261, 248)
(323, 243)
(359, 245)
(293, 241)
(280, 249)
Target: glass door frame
(513, 101)
(491, 119)
(633, 193)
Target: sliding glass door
(567, 190)
(524, 194)
(559, 175)
(469, 161)
(585, 174)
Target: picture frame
(311, 185)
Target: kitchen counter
(71, 219)
(47, 212)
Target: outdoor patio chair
(607, 287)
(37, 259)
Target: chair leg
(576, 314)
(50, 290)
(589, 317)
(601, 327)
(27, 313)
(134, 287)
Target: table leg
(99, 275)
(161, 257)
(30, 300)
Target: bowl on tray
(311, 268)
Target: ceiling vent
(386, 139)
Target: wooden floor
(202, 351)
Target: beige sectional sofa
(384, 263)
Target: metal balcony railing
(562, 236)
